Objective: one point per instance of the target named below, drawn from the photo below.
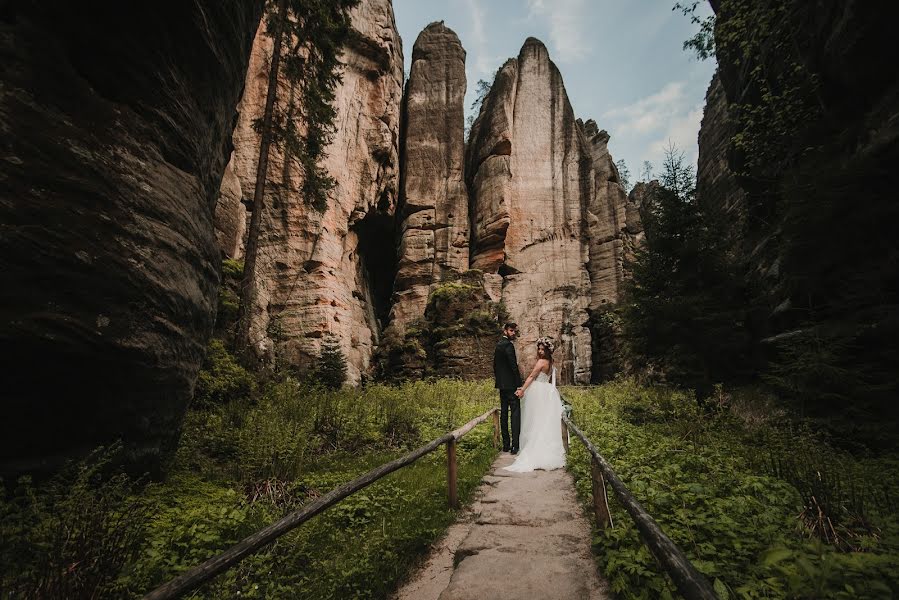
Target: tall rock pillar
(530, 175)
(330, 272)
(433, 206)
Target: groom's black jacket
(505, 366)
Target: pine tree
(331, 368)
(685, 312)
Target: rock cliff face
(330, 272)
(433, 206)
(606, 222)
(614, 229)
(533, 206)
(530, 175)
(819, 266)
(717, 188)
(116, 131)
(230, 215)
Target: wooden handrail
(689, 582)
(196, 576)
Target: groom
(508, 381)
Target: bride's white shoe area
(540, 439)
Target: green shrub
(75, 535)
(332, 366)
(735, 494)
(232, 269)
(222, 379)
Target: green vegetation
(331, 368)
(684, 311)
(803, 118)
(222, 379)
(243, 463)
(765, 509)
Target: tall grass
(240, 465)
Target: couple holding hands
(535, 406)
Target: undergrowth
(765, 509)
(244, 462)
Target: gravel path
(524, 537)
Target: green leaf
(721, 589)
(775, 556)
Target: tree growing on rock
(685, 311)
(308, 36)
(332, 367)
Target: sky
(621, 60)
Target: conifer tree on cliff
(331, 368)
(685, 313)
(308, 36)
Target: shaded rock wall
(818, 211)
(614, 230)
(433, 207)
(717, 188)
(230, 215)
(530, 176)
(116, 131)
(330, 272)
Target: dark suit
(508, 379)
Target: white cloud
(650, 113)
(682, 132)
(567, 19)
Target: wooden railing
(689, 582)
(198, 575)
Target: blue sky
(621, 61)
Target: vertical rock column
(530, 174)
(433, 200)
(330, 273)
(614, 230)
(116, 128)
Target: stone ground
(525, 536)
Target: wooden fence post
(564, 436)
(600, 502)
(451, 473)
(496, 429)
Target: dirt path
(524, 537)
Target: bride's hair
(547, 350)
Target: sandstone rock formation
(230, 215)
(433, 205)
(717, 189)
(330, 272)
(614, 229)
(116, 130)
(606, 222)
(530, 176)
(454, 337)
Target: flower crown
(545, 341)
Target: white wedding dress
(541, 431)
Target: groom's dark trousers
(508, 379)
(509, 403)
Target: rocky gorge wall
(116, 131)
(433, 204)
(796, 161)
(532, 205)
(330, 272)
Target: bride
(541, 409)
